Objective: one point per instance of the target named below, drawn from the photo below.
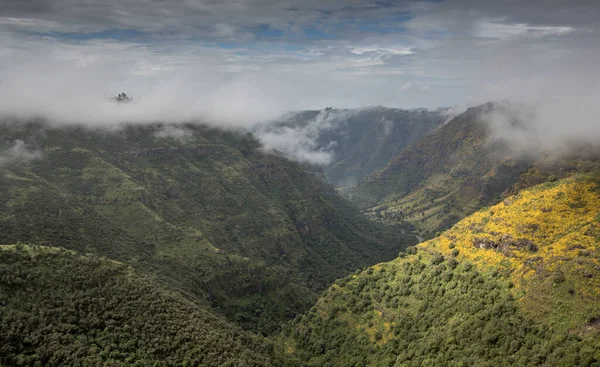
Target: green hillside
(512, 285)
(62, 309)
(253, 234)
(442, 177)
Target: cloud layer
(240, 63)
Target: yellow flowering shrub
(547, 239)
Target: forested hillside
(59, 308)
(254, 234)
(516, 284)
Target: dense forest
(63, 309)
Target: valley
(203, 226)
(260, 183)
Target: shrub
(411, 250)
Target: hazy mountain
(351, 144)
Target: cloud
(273, 55)
(552, 88)
(68, 83)
(177, 133)
(219, 19)
(552, 127)
(382, 50)
(301, 141)
(242, 63)
(450, 113)
(488, 29)
(18, 152)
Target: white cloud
(450, 113)
(18, 152)
(177, 133)
(300, 142)
(70, 83)
(382, 50)
(497, 30)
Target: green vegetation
(62, 309)
(253, 234)
(512, 285)
(441, 178)
(158, 245)
(547, 238)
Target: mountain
(206, 211)
(359, 141)
(442, 177)
(59, 308)
(516, 284)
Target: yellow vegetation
(543, 237)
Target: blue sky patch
(116, 34)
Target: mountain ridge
(442, 177)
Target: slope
(442, 177)
(256, 235)
(58, 308)
(516, 284)
(360, 141)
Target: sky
(242, 61)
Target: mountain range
(183, 244)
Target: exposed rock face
(505, 244)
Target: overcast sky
(238, 59)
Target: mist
(548, 75)
(300, 141)
(69, 84)
(18, 152)
(551, 108)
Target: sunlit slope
(547, 240)
(515, 284)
